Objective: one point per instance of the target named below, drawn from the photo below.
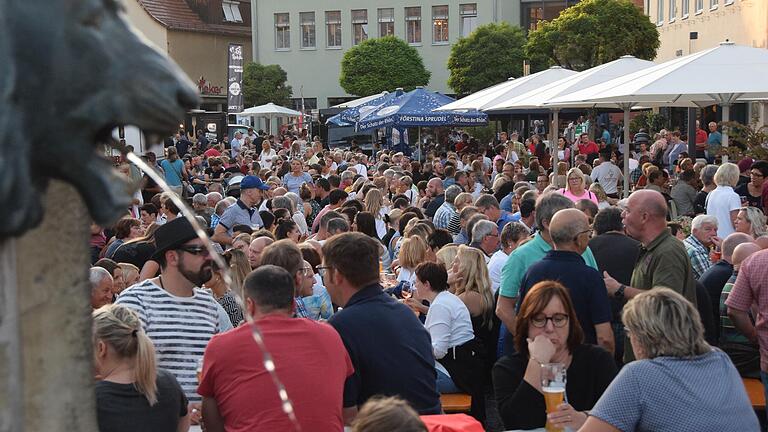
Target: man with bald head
(256, 248)
(662, 260)
(744, 353)
(718, 274)
(570, 233)
(436, 194)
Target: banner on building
(235, 79)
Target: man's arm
(605, 336)
(220, 235)
(612, 285)
(505, 310)
(743, 323)
(211, 416)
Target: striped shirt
(180, 328)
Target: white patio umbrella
(536, 98)
(722, 75)
(269, 111)
(360, 101)
(508, 89)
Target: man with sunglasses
(176, 314)
(570, 233)
(244, 212)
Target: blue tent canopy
(350, 116)
(415, 108)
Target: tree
(593, 32)
(488, 56)
(265, 83)
(382, 64)
(745, 140)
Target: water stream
(189, 214)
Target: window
(672, 10)
(713, 3)
(333, 27)
(660, 12)
(413, 25)
(699, 6)
(685, 9)
(307, 21)
(386, 22)
(359, 26)
(439, 24)
(231, 12)
(282, 31)
(468, 14)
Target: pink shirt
(586, 195)
(752, 287)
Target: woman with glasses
(548, 331)
(751, 192)
(576, 187)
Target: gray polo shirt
(240, 214)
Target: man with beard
(175, 313)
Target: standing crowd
(379, 282)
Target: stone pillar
(52, 264)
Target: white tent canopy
(360, 101)
(509, 89)
(269, 110)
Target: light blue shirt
(172, 171)
(703, 393)
(293, 183)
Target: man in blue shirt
(389, 347)
(570, 233)
(244, 212)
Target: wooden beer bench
(755, 392)
(457, 402)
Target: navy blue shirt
(390, 349)
(585, 284)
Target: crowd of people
(377, 282)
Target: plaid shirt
(215, 220)
(635, 175)
(699, 255)
(301, 310)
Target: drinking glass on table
(553, 380)
(406, 291)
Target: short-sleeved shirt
(522, 258)
(240, 214)
(608, 175)
(173, 171)
(728, 331)
(381, 334)
(584, 283)
(121, 408)
(293, 183)
(179, 327)
(678, 394)
(752, 287)
(310, 361)
(720, 203)
(443, 215)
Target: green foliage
(649, 121)
(745, 141)
(483, 134)
(488, 56)
(593, 32)
(382, 64)
(263, 84)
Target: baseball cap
(251, 182)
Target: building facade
(196, 35)
(308, 38)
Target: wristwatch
(619, 294)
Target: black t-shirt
(616, 254)
(121, 408)
(137, 253)
(752, 201)
(700, 203)
(214, 175)
(150, 184)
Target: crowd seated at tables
(355, 290)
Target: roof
(178, 15)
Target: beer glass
(553, 387)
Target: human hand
(195, 412)
(541, 349)
(416, 305)
(716, 241)
(567, 416)
(454, 277)
(611, 284)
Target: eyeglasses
(558, 320)
(756, 174)
(195, 250)
(322, 270)
(574, 178)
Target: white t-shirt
(608, 175)
(361, 169)
(266, 157)
(495, 266)
(448, 323)
(720, 203)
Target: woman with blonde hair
(559, 179)
(413, 252)
(131, 390)
(242, 242)
(386, 414)
(374, 204)
(576, 189)
(676, 371)
(602, 198)
(751, 220)
(723, 202)
(238, 267)
(447, 254)
(130, 275)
